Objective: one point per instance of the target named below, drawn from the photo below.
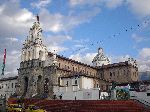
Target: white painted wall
(6, 88)
(82, 91)
(82, 94)
(87, 83)
(82, 83)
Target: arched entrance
(39, 84)
(46, 82)
(25, 85)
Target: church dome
(100, 59)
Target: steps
(88, 105)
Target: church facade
(43, 73)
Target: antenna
(4, 61)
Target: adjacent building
(8, 86)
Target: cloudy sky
(76, 28)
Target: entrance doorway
(39, 84)
(25, 85)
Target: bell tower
(33, 47)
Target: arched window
(12, 85)
(40, 55)
(29, 55)
(25, 55)
(73, 68)
(110, 74)
(33, 54)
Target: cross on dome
(37, 17)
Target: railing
(141, 101)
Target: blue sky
(76, 28)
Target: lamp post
(99, 93)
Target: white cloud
(144, 66)
(51, 22)
(54, 42)
(143, 59)
(74, 3)
(56, 48)
(58, 22)
(79, 46)
(81, 41)
(114, 3)
(2, 9)
(140, 7)
(23, 16)
(117, 59)
(137, 38)
(145, 53)
(12, 62)
(12, 39)
(57, 39)
(86, 58)
(41, 3)
(14, 20)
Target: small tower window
(40, 55)
(76, 82)
(12, 85)
(29, 55)
(33, 54)
(39, 64)
(110, 74)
